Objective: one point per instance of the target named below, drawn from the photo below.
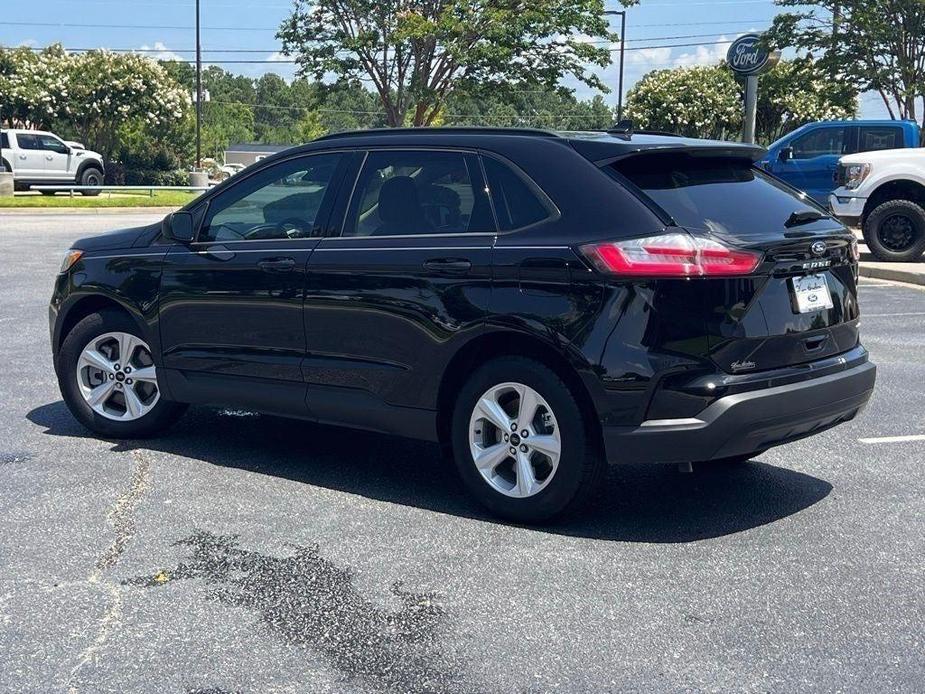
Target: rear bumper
(748, 422)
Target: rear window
(722, 195)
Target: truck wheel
(91, 176)
(895, 231)
(520, 442)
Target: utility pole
(622, 14)
(198, 93)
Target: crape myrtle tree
(416, 52)
(876, 45)
(698, 101)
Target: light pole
(622, 14)
(198, 93)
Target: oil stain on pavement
(308, 601)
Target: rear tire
(553, 483)
(91, 176)
(91, 360)
(895, 231)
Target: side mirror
(179, 227)
(786, 154)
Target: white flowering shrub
(96, 94)
(699, 101)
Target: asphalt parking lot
(245, 553)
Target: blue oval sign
(746, 56)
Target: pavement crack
(122, 519)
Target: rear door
(389, 297)
(815, 158)
(801, 305)
(30, 157)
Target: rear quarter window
(518, 203)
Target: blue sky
(660, 33)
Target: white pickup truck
(42, 158)
(884, 193)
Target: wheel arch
(89, 164)
(896, 189)
(94, 303)
(504, 343)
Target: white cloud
(648, 56)
(159, 51)
(278, 57)
(707, 54)
(28, 43)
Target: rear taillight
(670, 255)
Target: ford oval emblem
(747, 56)
(818, 248)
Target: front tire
(91, 176)
(107, 377)
(895, 231)
(521, 444)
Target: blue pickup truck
(807, 157)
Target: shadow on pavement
(649, 503)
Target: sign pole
(748, 58)
(751, 109)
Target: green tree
(701, 101)
(795, 92)
(416, 52)
(876, 45)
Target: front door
(231, 302)
(389, 299)
(57, 157)
(815, 158)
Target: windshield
(726, 196)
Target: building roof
(256, 148)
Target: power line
(290, 61)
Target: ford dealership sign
(746, 56)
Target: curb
(882, 271)
(85, 210)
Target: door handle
(48, 157)
(447, 266)
(277, 264)
(23, 157)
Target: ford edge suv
(540, 303)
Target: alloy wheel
(117, 378)
(514, 440)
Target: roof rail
(443, 130)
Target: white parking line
(890, 315)
(894, 439)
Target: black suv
(540, 303)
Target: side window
(819, 142)
(4, 141)
(517, 204)
(883, 137)
(28, 141)
(280, 202)
(52, 144)
(419, 192)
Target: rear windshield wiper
(797, 218)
